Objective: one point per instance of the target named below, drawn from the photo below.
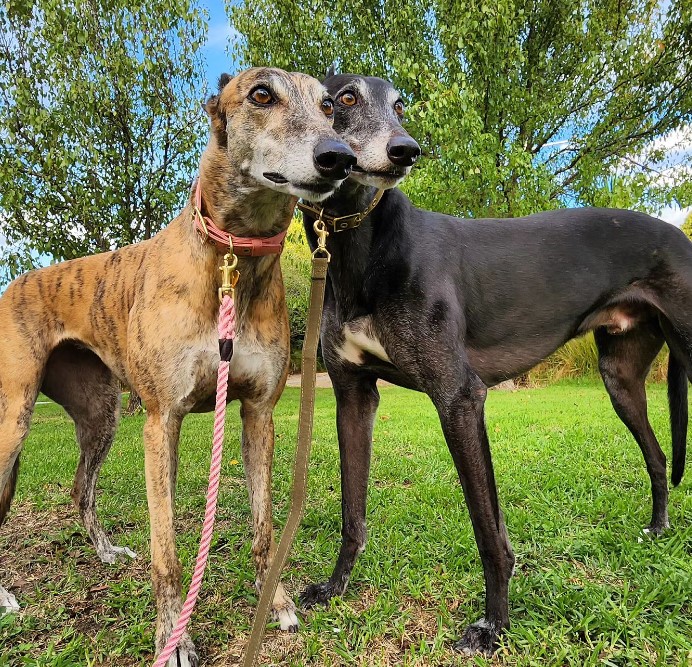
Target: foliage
(295, 265)
(589, 588)
(687, 225)
(100, 122)
(519, 105)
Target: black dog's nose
(334, 159)
(403, 151)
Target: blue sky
(219, 40)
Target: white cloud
(220, 35)
(675, 216)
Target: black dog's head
(368, 113)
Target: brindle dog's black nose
(403, 151)
(334, 159)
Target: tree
(100, 122)
(687, 226)
(519, 105)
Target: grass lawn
(588, 589)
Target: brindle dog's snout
(334, 159)
(403, 151)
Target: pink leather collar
(243, 246)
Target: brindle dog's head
(368, 113)
(276, 127)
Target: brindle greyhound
(450, 307)
(146, 315)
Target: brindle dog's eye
(261, 96)
(349, 99)
(328, 107)
(399, 108)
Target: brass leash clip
(229, 274)
(322, 234)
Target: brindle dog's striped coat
(146, 315)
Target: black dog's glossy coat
(459, 305)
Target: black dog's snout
(334, 159)
(403, 151)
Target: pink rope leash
(226, 336)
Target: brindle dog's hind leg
(258, 453)
(17, 400)
(624, 361)
(77, 379)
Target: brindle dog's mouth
(317, 187)
(275, 178)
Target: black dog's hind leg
(461, 410)
(624, 362)
(357, 399)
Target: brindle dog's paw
(480, 637)
(184, 657)
(110, 554)
(317, 594)
(8, 603)
(286, 618)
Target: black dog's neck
(349, 199)
(354, 250)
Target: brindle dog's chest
(254, 373)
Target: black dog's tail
(8, 492)
(677, 402)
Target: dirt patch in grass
(51, 567)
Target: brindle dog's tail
(677, 402)
(8, 492)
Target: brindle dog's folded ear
(215, 113)
(223, 80)
(211, 106)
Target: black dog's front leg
(356, 404)
(463, 424)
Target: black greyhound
(450, 307)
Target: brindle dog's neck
(236, 202)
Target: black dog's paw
(655, 529)
(317, 594)
(480, 637)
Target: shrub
(579, 358)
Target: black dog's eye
(328, 107)
(399, 108)
(261, 95)
(348, 98)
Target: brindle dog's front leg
(357, 399)
(161, 435)
(258, 453)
